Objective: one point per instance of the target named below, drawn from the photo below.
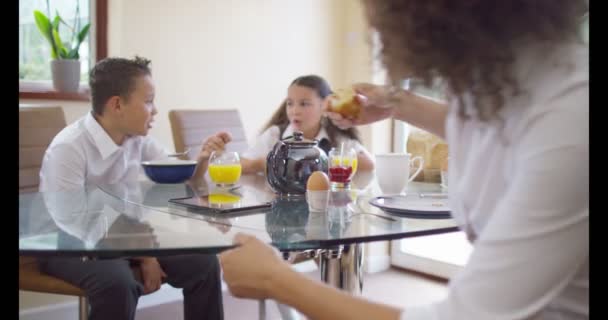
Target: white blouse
(266, 141)
(520, 188)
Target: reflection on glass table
(137, 219)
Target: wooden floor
(395, 287)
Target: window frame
(44, 89)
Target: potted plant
(65, 63)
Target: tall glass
(225, 168)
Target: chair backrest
(38, 125)
(191, 127)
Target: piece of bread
(343, 102)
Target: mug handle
(420, 164)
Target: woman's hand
(216, 142)
(249, 268)
(381, 102)
(376, 105)
(151, 273)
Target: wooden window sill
(45, 91)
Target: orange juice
(225, 173)
(222, 198)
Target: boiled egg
(317, 181)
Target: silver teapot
(290, 163)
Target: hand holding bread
(364, 103)
(344, 102)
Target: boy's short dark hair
(115, 77)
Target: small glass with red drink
(342, 167)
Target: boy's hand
(151, 273)
(216, 142)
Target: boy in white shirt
(107, 146)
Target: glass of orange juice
(224, 168)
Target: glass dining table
(126, 220)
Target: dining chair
(190, 127)
(38, 125)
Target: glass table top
(138, 219)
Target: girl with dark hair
(302, 110)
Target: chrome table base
(341, 267)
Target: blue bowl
(169, 171)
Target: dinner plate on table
(413, 206)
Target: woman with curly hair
(516, 119)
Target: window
(439, 255)
(34, 51)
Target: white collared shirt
(266, 141)
(83, 153)
(522, 191)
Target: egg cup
(317, 200)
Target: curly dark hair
(322, 88)
(115, 77)
(469, 44)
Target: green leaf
(73, 54)
(44, 26)
(61, 50)
(83, 33)
(55, 23)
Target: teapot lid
(298, 139)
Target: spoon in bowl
(179, 154)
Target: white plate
(412, 206)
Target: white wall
(227, 54)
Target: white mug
(393, 171)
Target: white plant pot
(66, 75)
